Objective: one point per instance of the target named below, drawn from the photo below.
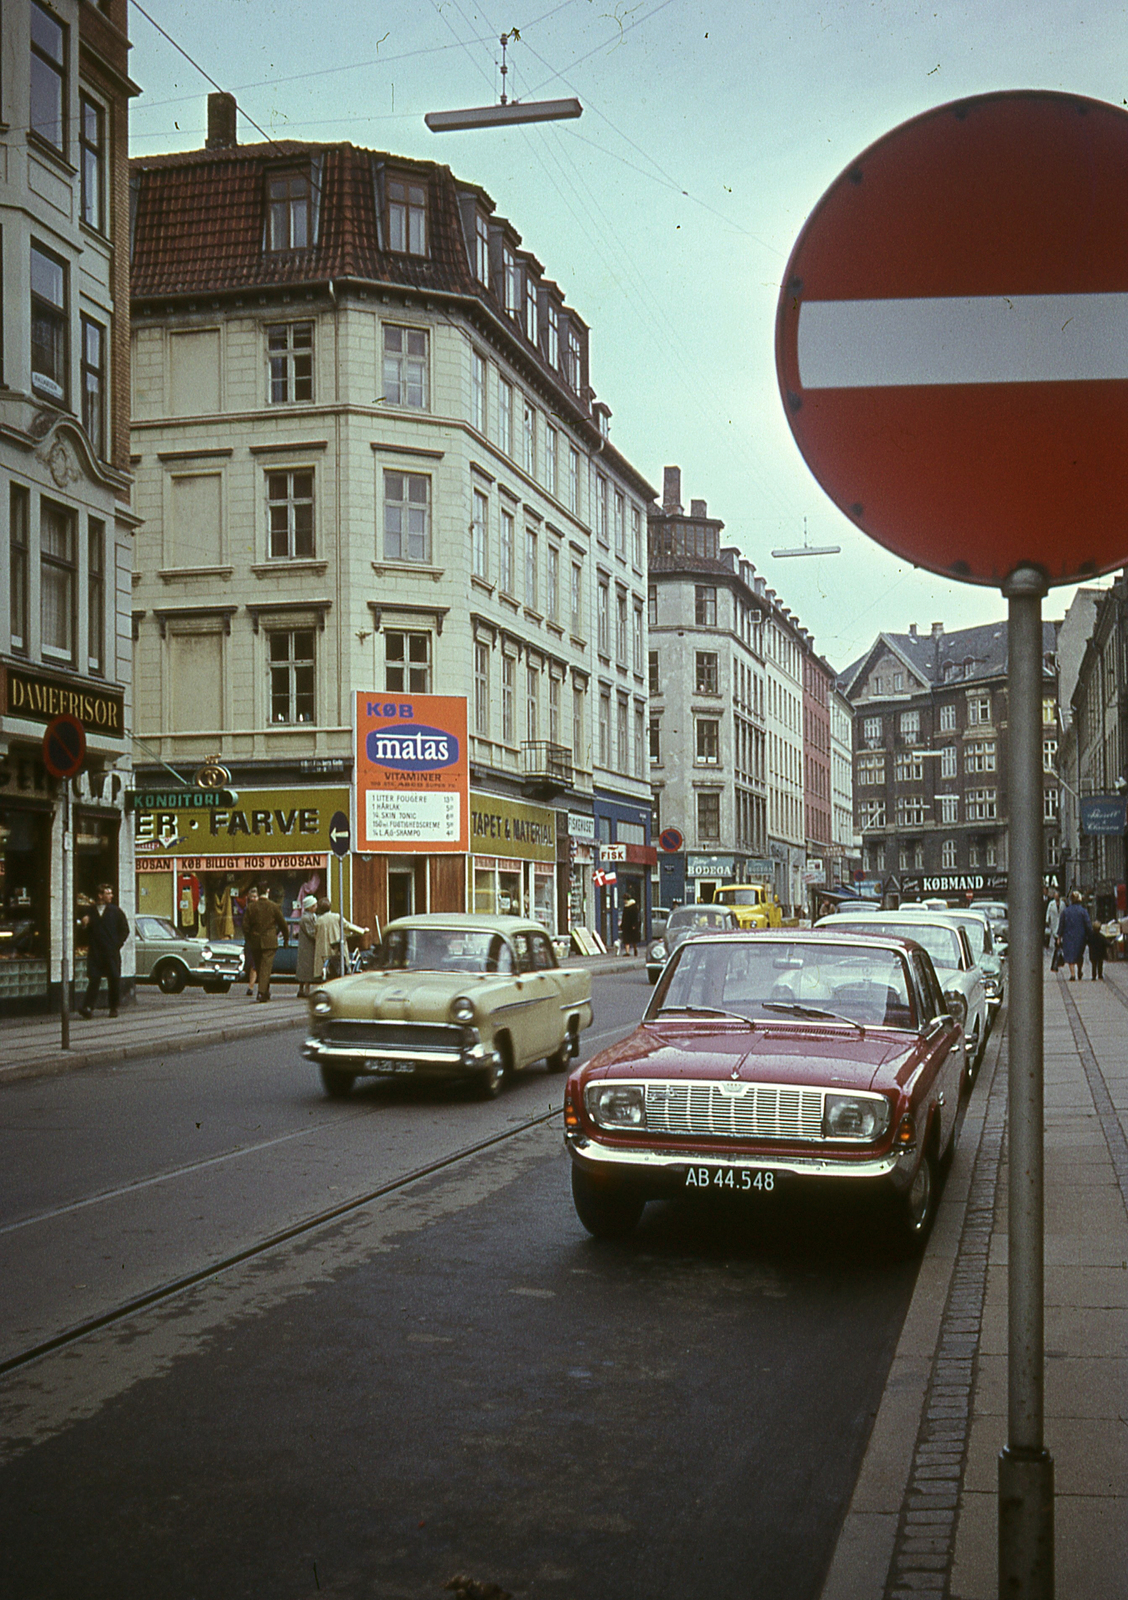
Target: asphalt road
(451, 1378)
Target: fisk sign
(412, 773)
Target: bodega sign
(412, 783)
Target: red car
(770, 1060)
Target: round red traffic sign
(64, 746)
(952, 338)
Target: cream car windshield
(762, 980)
(156, 928)
(942, 944)
(445, 950)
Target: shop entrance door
(401, 892)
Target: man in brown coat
(264, 929)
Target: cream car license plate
(732, 1180)
(386, 1066)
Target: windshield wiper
(794, 1009)
(705, 1011)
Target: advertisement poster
(412, 774)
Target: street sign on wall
(1102, 814)
(412, 774)
(952, 338)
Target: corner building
(369, 457)
(65, 516)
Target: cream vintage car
(451, 995)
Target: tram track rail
(273, 1241)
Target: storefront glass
(25, 878)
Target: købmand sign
(39, 697)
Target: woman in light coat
(306, 969)
(329, 935)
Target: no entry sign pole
(1026, 1469)
(952, 354)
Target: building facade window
(92, 162)
(480, 536)
(1049, 755)
(405, 367)
(573, 480)
(871, 770)
(49, 325)
(979, 755)
(552, 335)
(505, 415)
(573, 367)
(621, 626)
(532, 704)
(639, 744)
(705, 605)
(652, 605)
(910, 726)
(636, 536)
(908, 768)
(708, 741)
(978, 710)
(576, 601)
(291, 675)
(551, 443)
(622, 752)
(653, 683)
(1049, 712)
(910, 812)
(505, 564)
(947, 718)
(289, 498)
(508, 698)
(289, 362)
(708, 818)
(554, 709)
(482, 689)
(636, 636)
(1049, 805)
(532, 569)
(529, 438)
(19, 542)
(49, 95)
(871, 731)
(603, 618)
(948, 761)
(58, 573)
(949, 808)
(96, 597)
(510, 282)
(620, 521)
(481, 249)
(94, 384)
(871, 814)
(407, 662)
(407, 516)
(552, 583)
(605, 727)
(579, 735)
(478, 392)
(407, 218)
(656, 741)
(980, 805)
(601, 508)
(530, 307)
(288, 210)
(948, 855)
(705, 672)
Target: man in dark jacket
(107, 929)
(264, 929)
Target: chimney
(937, 629)
(221, 122)
(912, 630)
(671, 489)
(697, 509)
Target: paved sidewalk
(155, 1024)
(923, 1520)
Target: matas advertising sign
(412, 774)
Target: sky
(667, 212)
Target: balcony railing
(547, 765)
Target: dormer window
(552, 336)
(530, 308)
(407, 217)
(572, 368)
(482, 249)
(288, 206)
(510, 282)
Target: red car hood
(769, 1053)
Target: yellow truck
(755, 905)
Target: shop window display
(25, 855)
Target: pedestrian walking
(1098, 949)
(305, 970)
(1053, 920)
(329, 938)
(1074, 930)
(107, 929)
(265, 929)
(629, 926)
(250, 961)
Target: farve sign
(264, 823)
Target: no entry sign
(952, 338)
(64, 746)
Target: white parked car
(946, 941)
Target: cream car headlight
(658, 950)
(321, 1004)
(616, 1105)
(462, 1009)
(852, 1116)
